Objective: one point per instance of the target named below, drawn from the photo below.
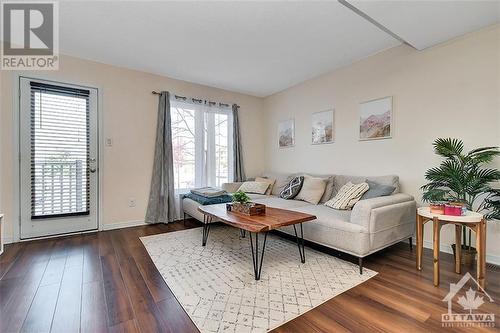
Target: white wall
(450, 90)
(129, 112)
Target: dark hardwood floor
(106, 282)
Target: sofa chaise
(372, 224)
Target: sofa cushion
(330, 182)
(348, 195)
(254, 187)
(341, 180)
(377, 190)
(270, 181)
(255, 196)
(312, 190)
(326, 215)
(276, 202)
(282, 180)
(291, 190)
(332, 229)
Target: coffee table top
(273, 219)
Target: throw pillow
(312, 190)
(268, 181)
(329, 180)
(291, 190)
(377, 190)
(254, 187)
(348, 195)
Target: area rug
(216, 286)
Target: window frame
(205, 170)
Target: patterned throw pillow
(348, 195)
(254, 187)
(293, 188)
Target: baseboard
(8, 240)
(446, 248)
(119, 225)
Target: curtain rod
(194, 99)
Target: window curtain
(161, 204)
(238, 169)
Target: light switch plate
(109, 142)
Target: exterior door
(58, 158)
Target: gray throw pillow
(377, 190)
(291, 190)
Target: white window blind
(59, 151)
(202, 144)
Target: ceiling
(257, 48)
(423, 24)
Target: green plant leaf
(240, 197)
(436, 194)
(463, 177)
(448, 147)
(492, 205)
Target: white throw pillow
(348, 195)
(254, 187)
(268, 181)
(312, 190)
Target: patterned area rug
(216, 287)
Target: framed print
(286, 133)
(322, 129)
(375, 119)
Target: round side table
(472, 220)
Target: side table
(472, 220)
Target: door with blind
(58, 158)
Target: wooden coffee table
(255, 225)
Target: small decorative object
(241, 204)
(375, 119)
(462, 178)
(323, 127)
(455, 209)
(286, 133)
(248, 208)
(437, 207)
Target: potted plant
(240, 197)
(463, 178)
(241, 204)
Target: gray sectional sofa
(370, 226)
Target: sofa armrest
(380, 213)
(231, 187)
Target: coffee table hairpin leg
(300, 243)
(257, 262)
(207, 219)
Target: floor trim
(120, 225)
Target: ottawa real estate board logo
(29, 35)
(468, 297)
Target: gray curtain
(239, 171)
(161, 205)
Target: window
(59, 151)
(202, 144)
